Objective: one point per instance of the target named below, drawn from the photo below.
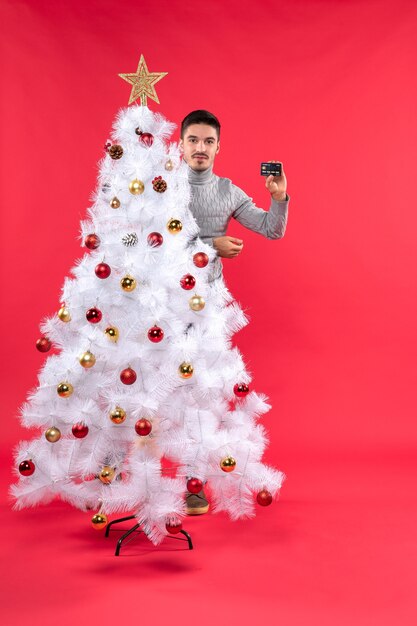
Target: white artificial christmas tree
(144, 376)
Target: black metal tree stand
(136, 530)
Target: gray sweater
(215, 200)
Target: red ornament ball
(92, 241)
(174, 528)
(194, 485)
(155, 334)
(146, 139)
(241, 390)
(27, 467)
(155, 239)
(200, 259)
(128, 376)
(103, 270)
(94, 315)
(264, 498)
(143, 427)
(187, 281)
(43, 344)
(80, 430)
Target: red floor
(339, 548)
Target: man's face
(200, 146)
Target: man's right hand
(228, 247)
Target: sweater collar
(200, 178)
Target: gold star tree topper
(143, 83)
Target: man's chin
(199, 166)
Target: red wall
(328, 88)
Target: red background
(328, 88)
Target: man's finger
(235, 240)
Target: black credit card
(271, 169)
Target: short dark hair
(200, 117)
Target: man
(215, 200)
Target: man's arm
(270, 224)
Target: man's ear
(218, 148)
(181, 145)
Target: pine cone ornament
(159, 184)
(131, 239)
(115, 151)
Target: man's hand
(277, 185)
(228, 247)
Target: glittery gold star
(143, 83)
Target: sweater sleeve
(270, 224)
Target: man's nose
(201, 146)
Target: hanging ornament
(155, 334)
(173, 527)
(128, 283)
(94, 315)
(128, 376)
(187, 282)
(99, 521)
(131, 239)
(80, 430)
(194, 485)
(159, 184)
(241, 389)
(146, 139)
(155, 240)
(197, 303)
(53, 434)
(185, 370)
(92, 241)
(27, 467)
(107, 145)
(136, 187)
(228, 464)
(115, 151)
(43, 344)
(105, 187)
(112, 333)
(143, 427)
(64, 314)
(87, 359)
(118, 415)
(64, 390)
(174, 226)
(169, 165)
(107, 474)
(115, 203)
(138, 130)
(200, 259)
(264, 497)
(103, 270)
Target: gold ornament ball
(136, 187)
(228, 464)
(99, 521)
(197, 303)
(53, 434)
(64, 314)
(118, 415)
(128, 283)
(87, 359)
(169, 165)
(112, 333)
(115, 203)
(64, 390)
(174, 226)
(107, 474)
(186, 370)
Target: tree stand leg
(135, 528)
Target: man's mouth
(199, 156)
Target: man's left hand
(277, 185)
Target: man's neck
(202, 177)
